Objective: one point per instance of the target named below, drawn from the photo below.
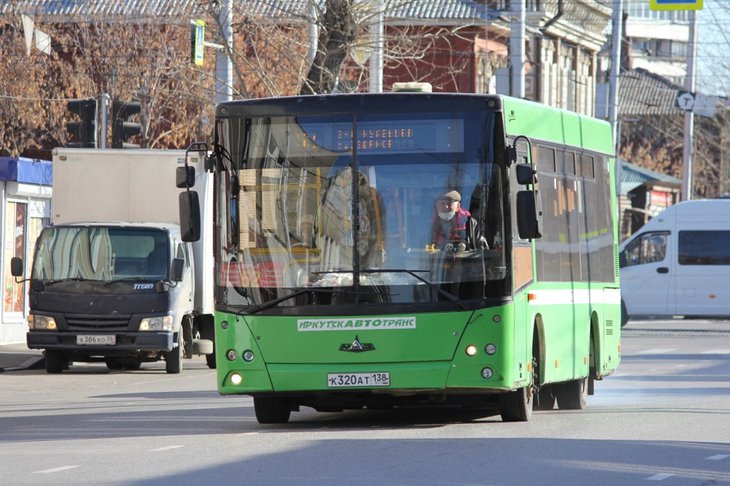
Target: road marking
(716, 351)
(55, 469)
(717, 457)
(659, 477)
(657, 351)
(167, 448)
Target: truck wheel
(55, 361)
(174, 359)
(271, 410)
(113, 364)
(210, 360)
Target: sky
(713, 48)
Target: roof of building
(644, 93)
(394, 9)
(633, 176)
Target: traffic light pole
(104, 115)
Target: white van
(678, 264)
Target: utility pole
(616, 39)
(689, 120)
(517, 49)
(375, 76)
(223, 68)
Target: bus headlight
(37, 322)
(161, 323)
(236, 379)
(248, 356)
(471, 350)
(487, 373)
(490, 349)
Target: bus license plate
(346, 380)
(95, 339)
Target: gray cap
(453, 195)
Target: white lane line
(659, 477)
(55, 469)
(717, 457)
(656, 351)
(716, 351)
(167, 448)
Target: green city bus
(340, 284)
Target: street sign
(675, 4)
(197, 41)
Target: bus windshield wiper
(414, 273)
(275, 302)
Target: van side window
(648, 248)
(704, 247)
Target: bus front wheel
(271, 410)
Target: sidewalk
(17, 357)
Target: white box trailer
(678, 264)
(112, 280)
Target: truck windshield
(374, 209)
(101, 253)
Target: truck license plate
(346, 380)
(96, 339)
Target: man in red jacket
(452, 224)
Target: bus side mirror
(529, 217)
(185, 177)
(16, 267)
(622, 259)
(176, 273)
(525, 174)
(189, 216)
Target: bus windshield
(322, 210)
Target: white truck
(112, 280)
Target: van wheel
(55, 361)
(624, 315)
(271, 410)
(174, 359)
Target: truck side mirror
(185, 177)
(529, 220)
(16, 267)
(176, 272)
(189, 216)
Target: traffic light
(84, 130)
(121, 128)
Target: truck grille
(97, 323)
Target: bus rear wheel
(516, 406)
(572, 395)
(271, 410)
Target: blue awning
(25, 170)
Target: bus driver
(453, 225)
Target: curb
(35, 363)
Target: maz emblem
(357, 347)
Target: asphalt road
(663, 416)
